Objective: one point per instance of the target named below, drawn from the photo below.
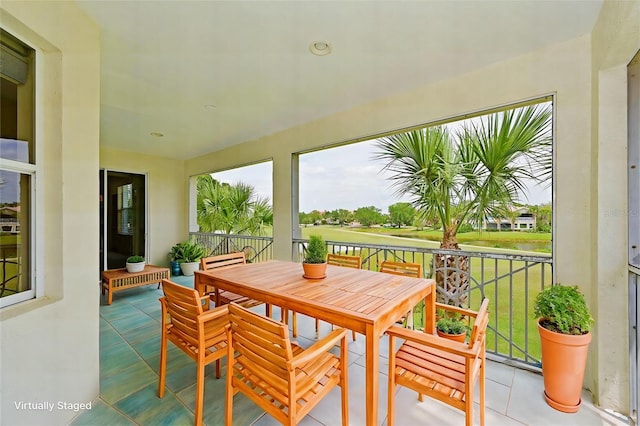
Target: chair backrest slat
(401, 268)
(183, 306)
(222, 260)
(263, 341)
(344, 260)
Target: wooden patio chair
(282, 378)
(344, 260)
(441, 368)
(401, 268)
(347, 262)
(223, 297)
(406, 269)
(201, 334)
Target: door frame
(104, 210)
(633, 152)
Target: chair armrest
(457, 348)
(456, 309)
(321, 346)
(213, 314)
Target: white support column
(193, 202)
(284, 200)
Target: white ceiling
(164, 61)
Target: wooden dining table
(364, 301)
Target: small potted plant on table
(315, 259)
(135, 264)
(564, 325)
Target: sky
(346, 177)
(11, 149)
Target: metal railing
(510, 281)
(256, 249)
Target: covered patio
(112, 94)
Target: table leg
(371, 374)
(198, 285)
(429, 313)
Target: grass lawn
(8, 263)
(511, 302)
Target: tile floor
(129, 358)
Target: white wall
(49, 346)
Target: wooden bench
(114, 280)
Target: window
(17, 169)
(125, 206)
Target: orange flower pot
(314, 271)
(564, 358)
(455, 337)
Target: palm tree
(233, 209)
(468, 176)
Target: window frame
(32, 169)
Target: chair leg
(294, 321)
(391, 385)
(228, 412)
(482, 390)
(468, 403)
(163, 364)
(295, 324)
(344, 379)
(199, 394)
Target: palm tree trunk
(452, 274)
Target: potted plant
(564, 325)
(192, 251)
(175, 256)
(135, 263)
(452, 327)
(315, 258)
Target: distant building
(9, 219)
(525, 221)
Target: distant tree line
(404, 214)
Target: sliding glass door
(122, 217)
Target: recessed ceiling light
(156, 134)
(320, 48)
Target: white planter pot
(189, 268)
(135, 267)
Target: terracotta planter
(314, 271)
(564, 358)
(457, 337)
